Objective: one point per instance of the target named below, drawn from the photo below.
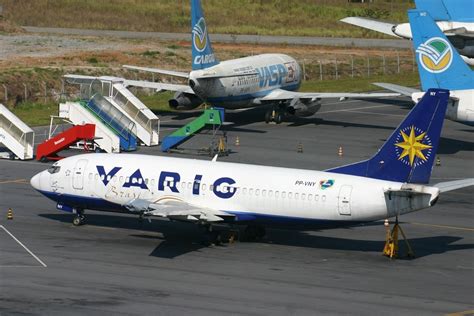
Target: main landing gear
(251, 233)
(274, 115)
(79, 219)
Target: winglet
(203, 55)
(409, 153)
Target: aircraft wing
(382, 27)
(454, 185)
(158, 86)
(159, 71)
(177, 210)
(280, 94)
(396, 88)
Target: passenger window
(244, 191)
(270, 193)
(189, 185)
(250, 191)
(203, 187)
(146, 181)
(303, 196)
(121, 179)
(127, 179)
(211, 187)
(290, 195)
(283, 195)
(296, 196)
(310, 197)
(277, 194)
(257, 192)
(264, 192)
(316, 197)
(323, 198)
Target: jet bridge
(114, 90)
(15, 135)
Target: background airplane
(454, 17)
(439, 66)
(209, 192)
(266, 79)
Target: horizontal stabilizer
(454, 185)
(396, 88)
(159, 71)
(382, 27)
(158, 86)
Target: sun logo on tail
(435, 55)
(200, 35)
(415, 144)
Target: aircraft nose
(36, 182)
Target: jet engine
(303, 107)
(184, 101)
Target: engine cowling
(184, 101)
(303, 108)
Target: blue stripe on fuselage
(250, 96)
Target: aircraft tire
(78, 221)
(268, 116)
(279, 118)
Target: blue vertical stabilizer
(439, 64)
(203, 55)
(409, 153)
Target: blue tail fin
(203, 55)
(448, 10)
(409, 153)
(439, 64)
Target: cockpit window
(54, 169)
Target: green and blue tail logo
(435, 55)
(200, 35)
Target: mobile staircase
(118, 122)
(213, 117)
(115, 91)
(77, 114)
(49, 149)
(15, 135)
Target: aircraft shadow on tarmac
(181, 238)
(452, 146)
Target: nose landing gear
(79, 219)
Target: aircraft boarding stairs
(123, 127)
(15, 135)
(48, 150)
(213, 116)
(114, 90)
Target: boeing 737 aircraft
(267, 79)
(454, 17)
(389, 184)
(440, 66)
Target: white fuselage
(227, 84)
(251, 192)
(404, 30)
(460, 107)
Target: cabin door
(344, 200)
(78, 174)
